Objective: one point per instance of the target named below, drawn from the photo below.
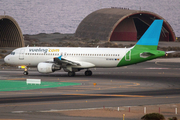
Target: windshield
(12, 53)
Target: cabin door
(128, 56)
(21, 54)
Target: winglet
(152, 34)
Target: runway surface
(148, 83)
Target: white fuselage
(99, 57)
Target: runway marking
(17, 79)
(160, 63)
(19, 112)
(135, 84)
(53, 110)
(156, 68)
(109, 95)
(73, 80)
(74, 95)
(5, 93)
(67, 102)
(11, 119)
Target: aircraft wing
(80, 64)
(61, 61)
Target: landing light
(21, 67)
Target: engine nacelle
(48, 67)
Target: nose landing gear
(25, 71)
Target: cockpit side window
(12, 53)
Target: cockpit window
(12, 53)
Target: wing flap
(60, 61)
(77, 64)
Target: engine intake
(48, 67)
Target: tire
(88, 73)
(71, 73)
(25, 72)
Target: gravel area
(130, 112)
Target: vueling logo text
(43, 50)
(38, 50)
(53, 50)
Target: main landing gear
(88, 72)
(71, 73)
(25, 71)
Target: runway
(148, 83)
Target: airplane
(74, 59)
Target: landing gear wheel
(25, 72)
(88, 72)
(71, 73)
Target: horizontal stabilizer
(168, 52)
(146, 54)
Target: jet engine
(48, 67)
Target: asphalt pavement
(148, 83)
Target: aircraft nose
(6, 59)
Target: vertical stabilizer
(151, 37)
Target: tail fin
(151, 37)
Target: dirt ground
(130, 112)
